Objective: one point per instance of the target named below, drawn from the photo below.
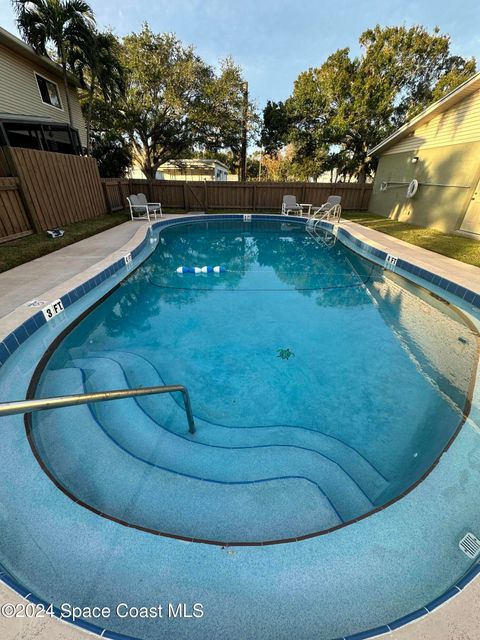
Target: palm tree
(100, 63)
(65, 24)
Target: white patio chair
(330, 210)
(290, 205)
(140, 209)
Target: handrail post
(43, 404)
(188, 410)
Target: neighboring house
(439, 148)
(33, 106)
(188, 169)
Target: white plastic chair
(290, 205)
(331, 209)
(138, 205)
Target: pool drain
(470, 545)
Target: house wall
(19, 92)
(165, 173)
(448, 169)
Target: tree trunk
(150, 171)
(89, 115)
(65, 84)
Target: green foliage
(174, 105)
(218, 117)
(173, 102)
(163, 85)
(337, 112)
(102, 75)
(276, 125)
(112, 153)
(61, 23)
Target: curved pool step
(166, 411)
(133, 430)
(98, 471)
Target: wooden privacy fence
(58, 188)
(40, 190)
(14, 221)
(225, 196)
(44, 190)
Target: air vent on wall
(470, 545)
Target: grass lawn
(30, 247)
(39, 244)
(457, 247)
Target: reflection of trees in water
(156, 282)
(235, 250)
(435, 335)
(134, 302)
(315, 270)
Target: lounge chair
(331, 209)
(290, 205)
(141, 209)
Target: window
(41, 135)
(48, 91)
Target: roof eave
(467, 87)
(21, 48)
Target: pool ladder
(42, 404)
(319, 234)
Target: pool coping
(121, 259)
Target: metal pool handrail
(26, 406)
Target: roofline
(467, 87)
(19, 118)
(18, 46)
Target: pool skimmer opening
(470, 545)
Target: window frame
(39, 75)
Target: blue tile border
(443, 598)
(11, 343)
(451, 287)
(410, 617)
(362, 635)
(371, 633)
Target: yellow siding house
(429, 170)
(189, 169)
(33, 106)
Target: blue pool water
(322, 387)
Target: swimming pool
(324, 388)
(320, 389)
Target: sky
(275, 40)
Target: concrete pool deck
(45, 278)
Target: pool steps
(138, 368)
(11, 343)
(170, 502)
(340, 476)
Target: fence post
(205, 196)
(254, 197)
(185, 196)
(149, 190)
(123, 195)
(108, 204)
(362, 194)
